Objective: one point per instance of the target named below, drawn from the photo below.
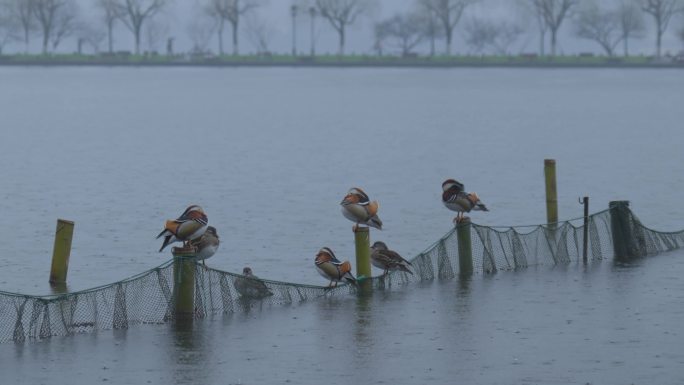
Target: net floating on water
(147, 298)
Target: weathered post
(621, 230)
(363, 264)
(184, 283)
(465, 249)
(61, 252)
(585, 229)
(551, 191)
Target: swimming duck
(331, 268)
(455, 199)
(383, 258)
(206, 245)
(190, 225)
(250, 286)
(359, 209)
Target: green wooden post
(183, 284)
(465, 248)
(621, 230)
(61, 252)
(363, 264)
(551, 191)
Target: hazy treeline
(611, 24)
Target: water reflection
(188, 350)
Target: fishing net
(150, 297)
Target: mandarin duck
(455, 199)
(190, 225)
(332, 269)
(250, 286)
(206, 245)
(359, 209)
(383, 258)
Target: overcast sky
(175, 20)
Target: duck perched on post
(386, 259)
(329, 267)
(357, 207)
(206, 245)
(190, 225)
(455, 199)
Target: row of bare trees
(431, 20)
(606, 24)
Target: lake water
(269, 153)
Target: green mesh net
(149, 297)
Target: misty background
(269, 27)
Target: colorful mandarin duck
(359, 209)
(383, 258)
(206, 245)
(455, 199)
(250, 286)
(331, 268)
(190, 225)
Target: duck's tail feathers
(375, 221)
(167, 241)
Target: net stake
(61, 252)
(363, 263)
(465, 249)
(184, 282)
(551, 192)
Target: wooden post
(621, 230)
(363, 264)
(465, 249)
(61, 252)
(183, 283)
(585, 230)
(551, 191)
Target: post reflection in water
(189, 347)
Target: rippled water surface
(269, 153)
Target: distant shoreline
(328, 61)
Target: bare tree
(216, 10)
(553, 13)
(55, 18)
(260, 33)
(136, 12)
(91, 35)
(432, 29)
(530, 8)
(155, 32)
(8, 26)
(65, 23)
(600, 25)
(312, 32)
(111, 12)
(200, 31)
(403, 31)
(21, 12)
(495, 34)
(662, 11)
(631, 23)
(341, 14)
(234, 11)
(449, 13)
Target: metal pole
(551, 191)
(465, 249)
(585, 236)
(61, 252)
